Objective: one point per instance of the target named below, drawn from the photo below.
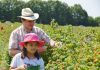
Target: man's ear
(21, 20)
(34, 21)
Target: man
(28, 19)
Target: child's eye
(30, 45)
(35, 44)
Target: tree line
(48, 10)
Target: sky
(91, 6)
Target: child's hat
(31, 37)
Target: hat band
(28, 16)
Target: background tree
(92, 22)
(97, 19)
(48, 10)
(80, 16)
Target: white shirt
(18, 61)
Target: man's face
(28, 23)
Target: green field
(80, 50)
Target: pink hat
(31, 37)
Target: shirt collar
(25, 29)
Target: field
(80, 50)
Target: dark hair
(23, 19)
(24, 53)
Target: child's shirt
(18, 61)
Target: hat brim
(41, 43)
(36, 16)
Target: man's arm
(13, 51)
(46, 38)
(49, 41)
(13, 44)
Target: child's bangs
(32, 42)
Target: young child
(29, 57)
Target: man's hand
(58, 44)
(13, 52)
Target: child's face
(32, 47)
